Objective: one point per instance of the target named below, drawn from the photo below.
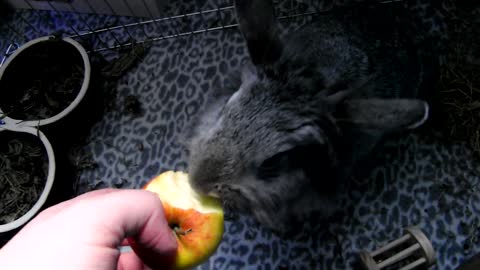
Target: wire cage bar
(116, 31)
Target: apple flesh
(196, 220)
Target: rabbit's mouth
(214, 194)
(218, 191)
(243, 199)
(232, 199)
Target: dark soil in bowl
(41, 81)
(23, 173)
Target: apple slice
(197, 220)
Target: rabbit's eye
(273, 166)
(339, 86)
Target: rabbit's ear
(384, 114)
(259, 27)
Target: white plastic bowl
(48, 183)
(9, 122)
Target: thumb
(138, 216)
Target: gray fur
(282, 142)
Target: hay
(460, 97)
(23, 172)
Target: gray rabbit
(281, 141)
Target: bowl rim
(86, 81)
(48, 183)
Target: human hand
(85, 232)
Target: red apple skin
(199, 233)
(203, 232)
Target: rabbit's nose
(198, 187)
